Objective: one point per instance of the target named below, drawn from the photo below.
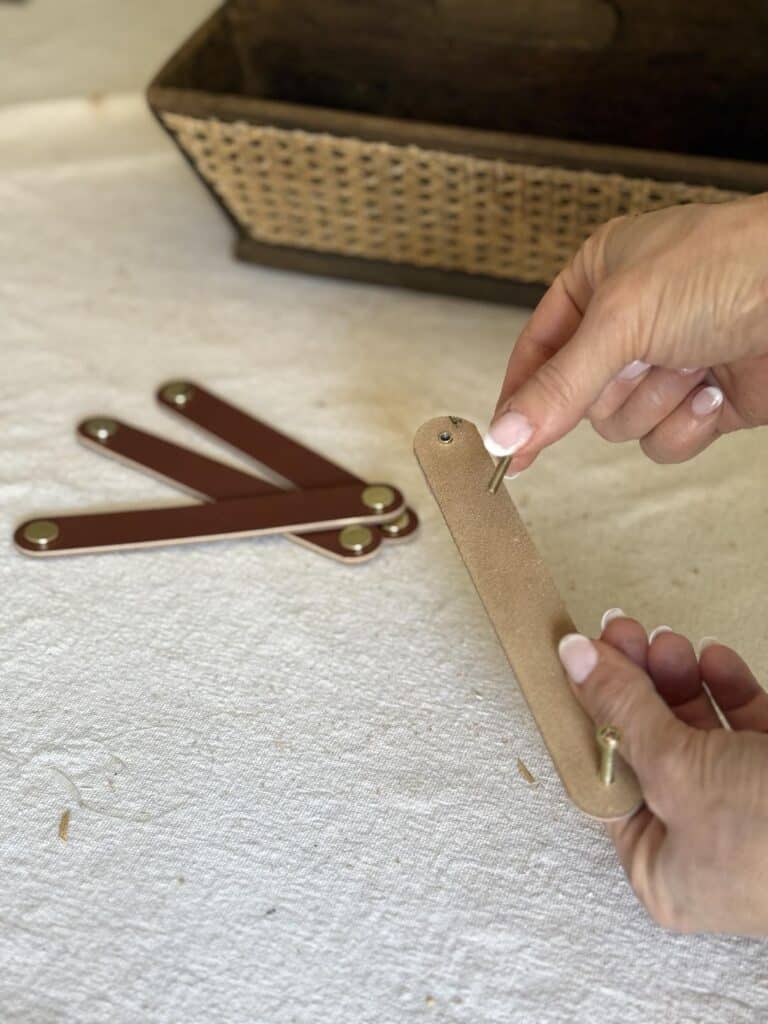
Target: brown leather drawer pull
(303, 511)
(280, 454)
(208, 479)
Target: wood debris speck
(64, 826)
(521, 767)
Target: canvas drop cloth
(293, 786)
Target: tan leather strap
(524, 606)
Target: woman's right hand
(697, 853)
(657, 331)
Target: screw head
(397, 527)
(41, 532)
(355, 538)
(100, 428)
(178, 392)
(378, 497)
(609, 737)
(445, 437)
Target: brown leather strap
(281, 454)
(207, 479)
(524, 606)
(240, 517)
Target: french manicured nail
(578, 655)
(508, 434)
(707, 641)
(632, 370)
(512, 476)
(609, 616)
(657, 631)
(707, 401)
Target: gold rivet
(378, 497)
(445, 437)
(397, 527)
(41, 532)
(178, 392)
(355, 538)
(608, 738)
(100, 428)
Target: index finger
(552, 324)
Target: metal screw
(355, 538)
(397, 527)
(445, 437)
(178, 392)
(378, 497)
(41, 532)
(100, 428)
(608, 738)
(499, 473)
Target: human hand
(696, 854)
(657, 331)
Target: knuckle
(613, 693)
(595, 252)
(557, 390)
(616, 304)
(605, 427)
(662, 455)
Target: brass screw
(178, 392)
(396, 528)
(100, 428)
(499, 473)
(355, 538)
(41, 532)
(608, 738)
(378, 497)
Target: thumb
(559, 393)
(615, 691)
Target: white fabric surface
(81, 47)
(293, 785)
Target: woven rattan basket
(465, 147)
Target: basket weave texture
(410, 205)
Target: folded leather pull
(524, 606)
(303, 511)
(271, 449)
(208, 479)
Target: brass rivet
(445, 437)
(400, 524)
(41, 532)
(100, 428)
(178, 392)
(355, 538)
(378, 497)
(608, 738)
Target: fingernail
(686, 371)
(632, 370)
(508, 434)
(707, 401)
(657, 631)
(578, 655)
(609, 616)
(512, 476)
(707, 641)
